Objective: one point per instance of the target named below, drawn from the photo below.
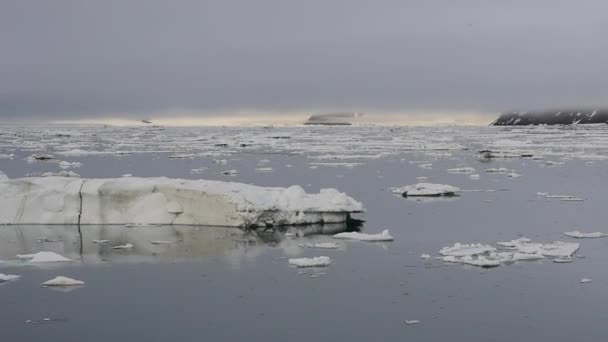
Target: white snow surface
(383, 236)
(62, 281)
(61, 200)
(321, 261)
(427, 189)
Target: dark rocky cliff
(553, 117)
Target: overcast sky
(86, 58)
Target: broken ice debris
(321, 261)
(62, 281)
(101, 241)
(232, 172)
(411, 322)
(42, 257)
(586, 280)
(459, 249)
(66, 165)
(497, 170)
(427, 189)
(383, 236)
(164, 201)
(425, 256)
(8, 277)
(580, 235)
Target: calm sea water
(222, 284)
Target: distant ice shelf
(61, 200)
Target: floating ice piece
(586, 280)
(554, 249)
(427, 189)
(263, 169)
(232, 172)
(425, 256)
(462, 170)
(425, 166)
(478, 260)
(141, 224)
(383, 236)
(35, 157)
(411, 321)
(474, 176)
(497, 170)
(563, 260)
(62, 281)
(125, 246)
(66, 165)
(460, 249)
(8, 277)
(157, 201)
(422, 178)
(101, 241)
(321, 261)
(513, 174)
(127, 175)
(580, 235)
(321, 245)
(43, 257)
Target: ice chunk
(43, 257)
(427, 189)
(124, 247)
(321, 261)
(478, 260)
(8, 277)
(462, 170)
(62, 281)
(411, 322)
(586, 280)
(460, 249)
(580, 235)
(167, 201)
(101, 241)
(425, 256)
(66, 165)
(383, 236)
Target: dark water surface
(222, 284)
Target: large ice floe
(426, 189)
(60, 200)
(511, 251)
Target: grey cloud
(77, 58)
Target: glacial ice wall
(61, 200)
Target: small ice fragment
(462, 170)
(161, 242)
(425, 256)
(586, 280)
(321, 261)
(563, 260)
(474, 176)
(411, 322)
(125, 246)
(580, 235)
(101, 241)
(127, 175)
(427, 189)
(232, 172)
(513, 174)
(62, 281)
(8, 277)
(383, 236)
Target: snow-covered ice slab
(427, 189)
(383, 236)
(321, 261)
(60, 200)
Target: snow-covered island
(61, 200)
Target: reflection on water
(94, 244)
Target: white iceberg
(62, 281)
(427, 189)
(8, 277)
(43, 257)
(383, 236)
(321, 261)
(164, 201)
(580, 235)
